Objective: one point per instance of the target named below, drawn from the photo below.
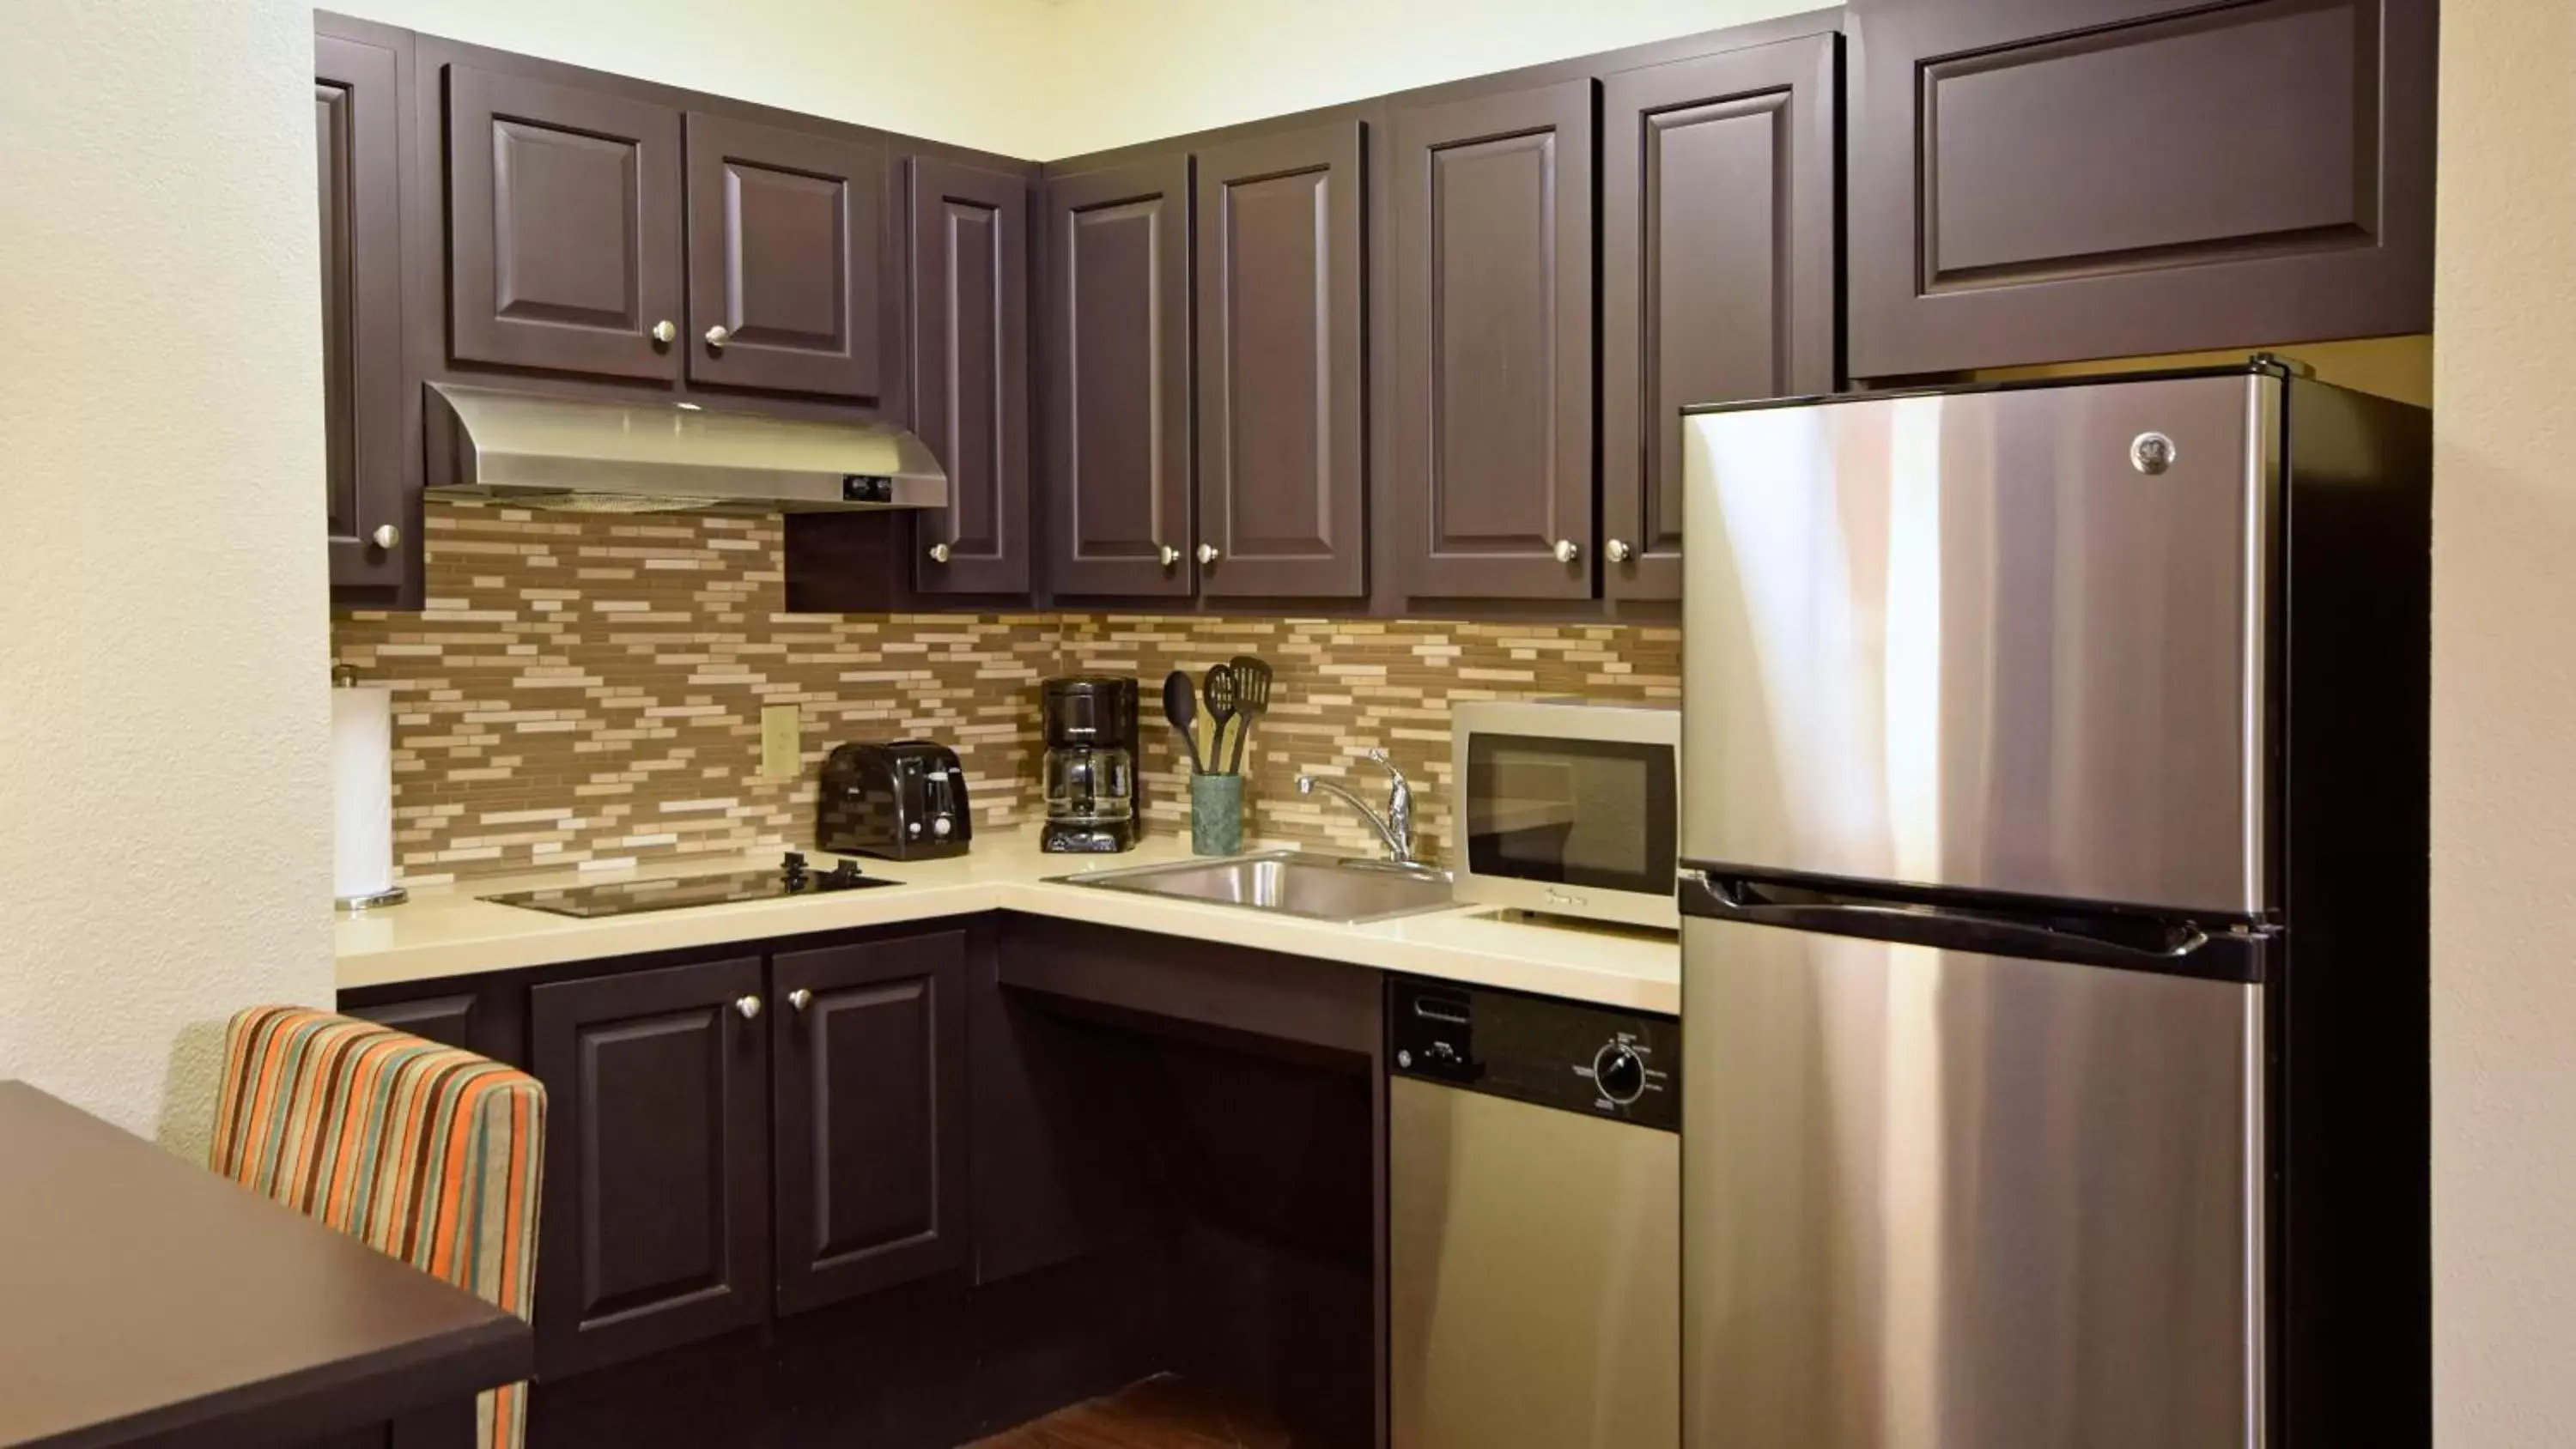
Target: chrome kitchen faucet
(1395, 828)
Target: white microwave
(1569, 808)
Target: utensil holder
(1216, 814)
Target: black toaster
(903, 801)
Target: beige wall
(960, 71)
(1135, 70)
(2504, 731)
(1050, 78)
(164, 810)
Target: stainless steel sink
(1288, 883)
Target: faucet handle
(1387, 764)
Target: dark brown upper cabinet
(563, 227)
(1492, 393)
(970, 374)
(371, 458)
(656, 1211)
(1116, 343)
(2044, 180)
(1717, 271)
(785, 243)
(870, 1056)
(1281, 487)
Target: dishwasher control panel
(1597, 1060)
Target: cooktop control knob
(1619, 1073)
(941, 826)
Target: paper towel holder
(344, 677)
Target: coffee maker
(1090, 770)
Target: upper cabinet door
(1493, 378)
(970, 374)
(370, 455)
(1281, 487)
(1717, 271)
(785, 245)
(2043, 180)
(656, 1216)
(1117, 341)
(871, 1116)
(563, 215)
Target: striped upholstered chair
(428, 1153)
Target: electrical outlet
(782, 742)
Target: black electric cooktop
(672, 893)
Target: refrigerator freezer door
(1937, 1200)
(2002, 640)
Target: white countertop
(446, 931)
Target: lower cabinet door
(655, 1228)
(447, 1020)
(871, 1116)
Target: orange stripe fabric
(425, 1152)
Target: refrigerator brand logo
(2151, 453)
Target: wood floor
(1160, 1413)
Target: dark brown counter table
(147, 1301)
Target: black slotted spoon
(1251, 702)
(1220, 709)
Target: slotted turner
(1251, 702)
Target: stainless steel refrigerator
(2054, 943)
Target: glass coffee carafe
(1090, 785)
(1089, 774)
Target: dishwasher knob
(1618, 1073)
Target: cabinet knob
(749, 1006)
(800, 998)
(1567, 551)
(1169, 554)
(666, 331)
(718, 336)
(1618, 551)
(939, 553)
(386, 537)
(1208, 553)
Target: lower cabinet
(770, 1131)
(655, 1225)
(869, 1061)
(453, 1020)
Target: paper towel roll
(362, 786)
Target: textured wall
(2504, 752)
(587, 689)
(164, 814)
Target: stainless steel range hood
(535, 451)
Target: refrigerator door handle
(2172, 946)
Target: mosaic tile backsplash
(586, 690)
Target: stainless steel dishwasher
(1535, 1222)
